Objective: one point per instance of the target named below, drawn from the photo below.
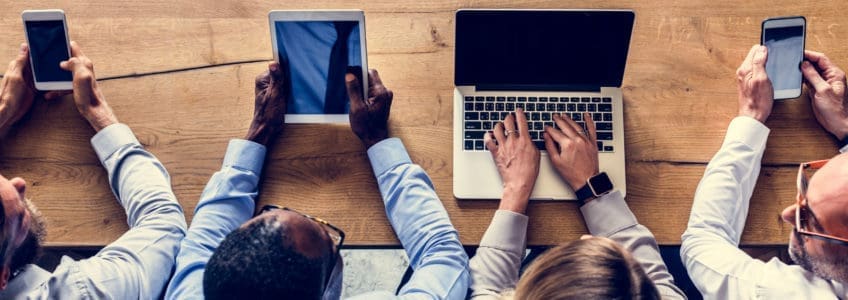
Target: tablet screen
(319, 54)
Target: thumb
(69, 65)
(354, 92)
(759, 61)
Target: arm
(421, 223)
(609, 216)
(229, 198)
(227, 201)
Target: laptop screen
(547, 50)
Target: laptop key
(596, 99)
(543, 99)
(560, 107)
(534, 135)
(519, 105)
(469, 98)
(503, 115)
(551, 107)
(539, 145)
(538, 126)
(591, 107)
(604, 107)
(474, 135)
(490, 106)
(522, 99)
(596, 117)
(483, 116)
(510, 106)
(574, 99)
(608, 148)
(608, 117)
(600, 146)
(495, 116)
(473, 125)
(487, 125)
(479, 98)
(510, 99)
(546, 117)
(490, 99)
(581, 107)
(472, 116)
(603, 126)
(553, 99)
(540, 107)
(501, 99)
(469, 106)
(535, 117)
(607, 100)
(531, 99)
(577, 116)
(499, 107)
(571, 107)
(478, 106)
(478, 145)
(604, 136)
(530, 107)
(469, 145)
(584, 99)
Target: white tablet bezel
(47, 15)
(321, 15)
(786, 22)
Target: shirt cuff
(387, 154)
(748, 131)
(607, 215)
(508, 231)
(110, 139)
(245, 155)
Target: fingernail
(273, 68)
(23, 48)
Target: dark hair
(594, 268)
(258, 262)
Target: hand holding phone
(784, 37)
(47, 36)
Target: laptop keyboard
(483, 112)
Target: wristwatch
(596, 186)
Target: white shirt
(709, 247)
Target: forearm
(228, 200)
(494, 269)
(421, 223)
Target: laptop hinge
(546, 87)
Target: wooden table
(181, 75)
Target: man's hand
(826, 86)
(89, 100)
(16, 90)
(369, 118)
(756, 95)
(270, 108)
(573, 153)
(517, 160)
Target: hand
(826, 94)
(89, 100)
(756, 94)
(573, 153)
(270, 108)
(16, 90)
(369, 118)
(517, 160)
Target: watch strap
(584, 193)
(843, 143)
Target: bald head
(827, 196)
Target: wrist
(5, 119)
(98, 122)
(369, 142)
(514, 200)
(260, 133)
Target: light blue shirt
(137, 265)
(709, 247)
(412, 207)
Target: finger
(577, 128)
(20, 62)
(745, 67)
(590, 127)
(550, 144)
(354, 92)
(819, 59)
(76, 50)
(374, 78)
(509, 124)
(56, 94)
(521, 119)
(813, 77)
(276, 79)
(565, 128)
(490, 144)
(758, 64)
(499, 134)
(555, 134)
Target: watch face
(600, 183)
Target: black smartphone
(785, 37)
(47, 36)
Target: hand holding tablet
(317, 49)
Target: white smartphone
(317, 49)
(47, 36)
(785, 37)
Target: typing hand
(573, 153)
(756, 95)
(89, 100)
(16, 90)
(270, 106)
(826, 86)
(517, 159)
(369, 118)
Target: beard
(30, 249)
(827, 267)
(798, 253)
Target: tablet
(317, 49)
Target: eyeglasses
(336, 234)
(803, 211)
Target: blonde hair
(594, 268)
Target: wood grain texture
(181, 75)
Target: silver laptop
(544, 61)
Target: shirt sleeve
(421, 224)
(609, 216)
(139, 263)
(226, 203)
(495, 267)
(709, 245)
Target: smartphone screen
(48, 47)
(785, 52)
